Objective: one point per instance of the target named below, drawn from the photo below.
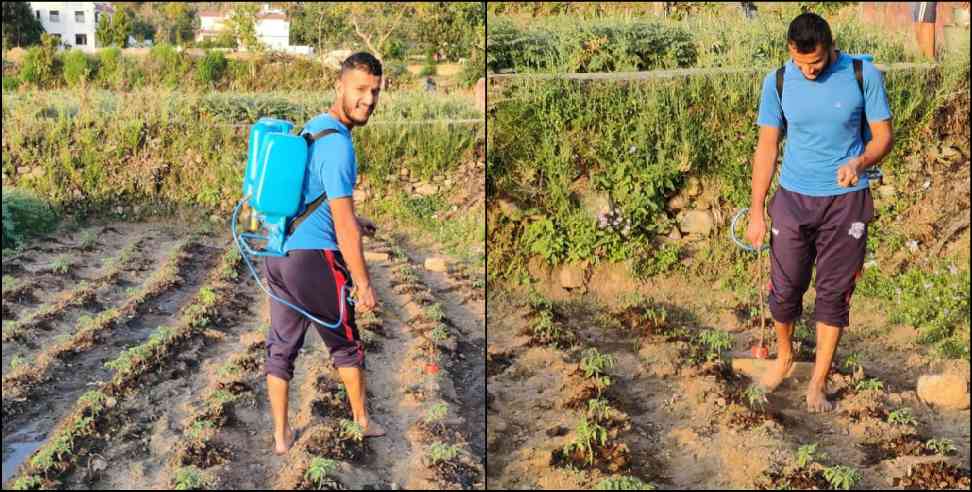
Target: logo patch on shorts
(856, 230)
(776, 232)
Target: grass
(61, 265)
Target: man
(821, 211)
(324, 253)
(923, 15)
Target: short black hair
(362, 61)
(809, 30)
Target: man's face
(358, 91)
(810, 64)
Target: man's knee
(351, 355)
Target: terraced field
(133, 358)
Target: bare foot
(817, 400)
(281, 448)
(373, 429)
(775, 375)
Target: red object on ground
(431, 368)
(760, 351)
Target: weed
(229, 369)
(352, 430)
(841, 477)
(319, 469)
(808, 454)
(588, 434)
(407, 275)
(198, 429)
(942, 446)
(440, 451)
(852, 362)
(88, 239)
(61, 265)
(436, 413)
(756, 397)
(10, 283)
(869, 384)
(31, 482)
(439, 333)
(434, 312)
(902, 416)
(16, 361)
(207, 297)
(623, 482)
(191, 478)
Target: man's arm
(880, 145)
(349, 242)
(764, 167)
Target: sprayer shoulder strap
(319, 200)
(858, 75)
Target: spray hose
(345, 291)
(762, 275)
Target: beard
(349, 112)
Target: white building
(74, 23)
(272, 28)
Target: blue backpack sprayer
(272, 188)
(760, 351)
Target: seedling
(808, 454)
(434, 312)
(715, 342)
(441, 451)
(841, 477)
(88, 240)
(869, 384)
(594, 363)
(17, 361)
(623, 483)
(207, 297)
(198, 429)
(598, 409)
(436, 413)
(902, 416)
(756, 397)
(941, 446)
(587, 435)
(351, 430)
(190, 478)
(439, 333)
(852, 362)
(318, 471)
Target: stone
(426, 189)
(574, 275)
(436, 264)
(947, 391)
(375, 256)
(696, 222)
(677, 202)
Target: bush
(24, 216)
(10, 82)
(77, 68)
(41, 67)
(211, 68)
(110, 60)
(167, 65)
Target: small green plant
(808, 454)
(594, 363)
(190, 478)
(869, 384)
(852, 362)
(352, 430)
(439, 333)
(229, 369)
(88, 239)
(198, 429)
(436, 413)
(407, 275)
(31, 482)
(841, 477)
(623, 482)
(17, 361)
(545, 329)
(61, 265)
(207, 297)
(433, 312)
(942, 446)
(714, 342)
(10, 283)
(756, 397)
(902, 416)
(440, 452)
(598, 409)
(342, 392)
(587, 435)
(319, 470)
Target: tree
(103, 33)
(20, 27)
(121, 27)
(242, 22)
(450, 28)
(374, 23)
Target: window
(55, 16)
(79, 16)
(80, 39)
(38, 14)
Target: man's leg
(354, 381)
(827, 339)
(283, 435)
(784, 356)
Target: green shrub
(41, 66)
(10, 82)
(77, 68)
(24, 216)
(211, 68)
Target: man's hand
(756, 231)
(847, 175)
(365, 298)
(367, 227)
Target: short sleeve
(770, 111)
(876, 105)
(334, 156)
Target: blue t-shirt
(823, 119)
(332, 169)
